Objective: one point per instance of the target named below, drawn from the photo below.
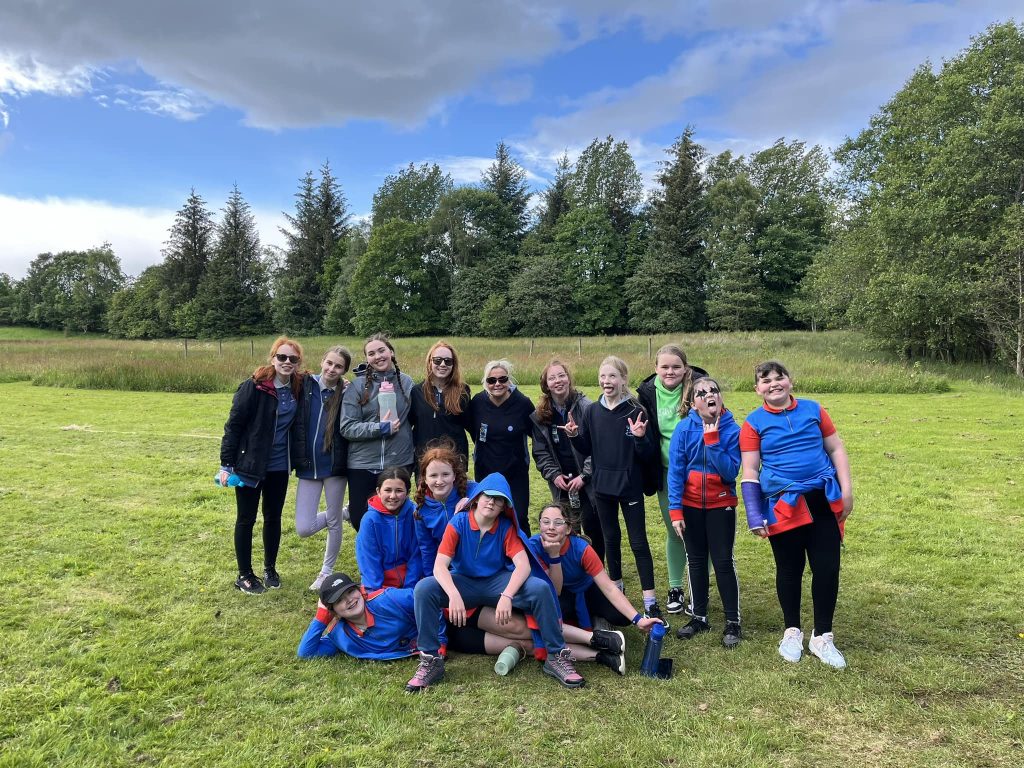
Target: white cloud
(137, 235)
(181, 104)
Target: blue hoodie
(386, 550)
(702, 466)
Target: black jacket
(504, 449)
(620, 461)
(545, 455)
(249, 431)
(428, 424)
(647, 394)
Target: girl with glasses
(376, 438)
(704, 457)
(440, 405)
(262, 442)
(499, 424)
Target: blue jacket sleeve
(426, 545)
(369, 558)
(313, 643)
(414, 565)
(677, 466)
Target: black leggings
(597, 604)
(587, 517)
(247, 501)
(712, 532)
(636, 530)
(819, 545)
(362, 486)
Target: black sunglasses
(442, 360)
(708, 393)
(497, 379)
(293, 359)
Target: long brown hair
(545, 412)
(453, 388)
(334, 404)
(265, 372)
(442, 450)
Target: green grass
(124, 643)
(823, 362)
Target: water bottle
(508, 659)
(233, 480)
(649, 667)
(574, 499)
(387, 401)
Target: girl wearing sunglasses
(440, 405)
(703, 459)
(262, 442)
(499, 423)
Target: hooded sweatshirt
(703, 465)
(432, 517)
(386, 549)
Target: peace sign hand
(639, 427)
(571, 428)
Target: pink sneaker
(561, 668)
(430, 671)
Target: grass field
(125, 644)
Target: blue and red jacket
(432, 517)
(476, 556)
(580, 564)
(386, 549)
(390, 629)
(702, 466)
(793, 461)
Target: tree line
(912, 231)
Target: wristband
(508, 596)
(636, 619)
(323, 615)
(553, 560)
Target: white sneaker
(824, 648)
(318, 582)
(791, 648)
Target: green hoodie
(668, 414)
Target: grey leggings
(309, 520)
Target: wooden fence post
(581, 346)
(186, 348)
(252, 348)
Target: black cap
(334, 586)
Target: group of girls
(675, 439)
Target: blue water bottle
(650, 666)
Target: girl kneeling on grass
(798, 492)
(262, 442)
(386, 550)
(613, 432)
(704, 457)
(483, 560)
(328, 457)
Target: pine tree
(187, 252)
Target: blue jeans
(534, 597)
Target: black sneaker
(676, 602)
(271, 579)
(612, 641)
(614, 661)
(695, 627)
(249, 584)
(654, 612)
(732, 635)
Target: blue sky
(112, 110)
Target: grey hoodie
(368, 447)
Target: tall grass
(831, 362)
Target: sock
(649, 601)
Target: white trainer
(823, 646)
(791, 647)
(318, 582)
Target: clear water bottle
(387, 401)
(574, 499)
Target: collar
(792, 405)
(370, 620)
(473, 524)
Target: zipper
(316, 432)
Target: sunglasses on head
(442, 360)
(293, 359)
(497, 379)
(708, 393)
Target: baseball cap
(334, 586)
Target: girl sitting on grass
(442, 485)
(704, 457)
(386, 550)
(798, 492)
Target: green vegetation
(822, 362)
(125, 643)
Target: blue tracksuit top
(390, 631)
(702, 468)
(386, 550)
